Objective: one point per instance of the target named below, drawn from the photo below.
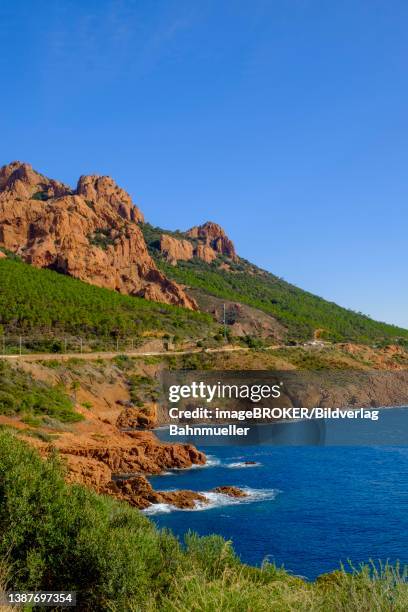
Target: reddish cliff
(175, 250)
(214, 236)
(206, 242)
(90, 233)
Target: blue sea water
(308, 509)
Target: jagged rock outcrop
(90, 233)
(205, 252)
(117, 468)
(133, 417)
(138, 491)
(231, 491)
(20, 181)
(175, 250)
(214, 236)
(206, 242)
(102, 192)
(136, 451)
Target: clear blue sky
(284, 121)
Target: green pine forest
(35, 301)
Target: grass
(44, 436)
(56, 536)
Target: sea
(308, 508)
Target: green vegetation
(299, 311)
(101, 238)
(152, 236)
(307, 360)
(40, 195)
(21, 395)
(142, 388)
(46, 303)
(56, 536)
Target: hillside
(37, 302)
(304, 316)
(96, 234)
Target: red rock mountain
(212, 235)
(90, 233)
(205, 242)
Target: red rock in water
(138, 491)
(231, 491)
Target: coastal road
(112, 354)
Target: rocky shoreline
(121, 468)
(113, 449)
(137, 491)
(122, 472)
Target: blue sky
(284, 121)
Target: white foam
(243, 464)
(159, 509)
(217, 500)
(212, 461)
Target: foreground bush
(54, 536)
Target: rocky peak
(102, 191)
(204, 242)
(19, 179)
(208, 230)
(212, 235)
(16, 171)
(91, 234)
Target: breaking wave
(217, 500)
(212, 461)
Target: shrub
(40, 195)
(59, 537)
(21, 394)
